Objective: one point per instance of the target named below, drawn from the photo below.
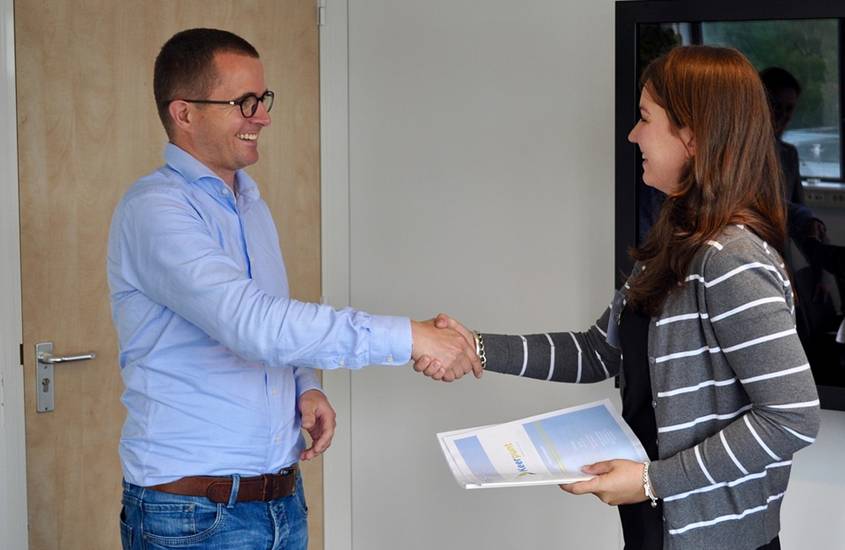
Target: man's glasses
(248, 103)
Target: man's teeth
(248, 137)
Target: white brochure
(546, 449)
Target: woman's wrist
(647, 487)
(479, 349)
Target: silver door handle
(50, 359)
(44, 383)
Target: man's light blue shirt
(214, 353)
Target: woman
(714, 380)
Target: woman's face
(666, 150)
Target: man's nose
(261, 116)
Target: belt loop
(233, 496)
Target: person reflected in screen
(714, 380)
(783, 91)
(815, 308)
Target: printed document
(546, 449)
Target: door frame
(335, 246)
(13, 506)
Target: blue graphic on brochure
(475, 458)
(568, 442)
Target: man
(216, 358)
(783, 91)
(815, 311)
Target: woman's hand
(616, 482)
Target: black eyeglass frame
(239, 102)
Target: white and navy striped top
(733, 393)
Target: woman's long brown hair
(733, 177)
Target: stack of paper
(545, 449)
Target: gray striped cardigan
(733, 394)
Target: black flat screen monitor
(805, 39)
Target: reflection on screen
(799, 61)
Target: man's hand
(817, 230)
(318, 419)
(444, 321)
(616, 482)
(430, 366)
(443, 354)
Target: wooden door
(87, 128)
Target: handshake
(444, 349)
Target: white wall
(480, 153)
(813, 513)
(480, 183)
(12, 450)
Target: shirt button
(389, 358)
(277, 440)
(274, 391)
(654, 404)
(342, 362)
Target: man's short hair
(184, 68)
(776, 79)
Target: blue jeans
(152, 520)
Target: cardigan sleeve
(748, 299)
(557, 356)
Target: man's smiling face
(223, 139)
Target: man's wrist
(391, 340)
(300, 394)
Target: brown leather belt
(265, 487)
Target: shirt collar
(193, 170)
(190, 168)
(247, 188)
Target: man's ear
(688, 140)
(180, 114)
